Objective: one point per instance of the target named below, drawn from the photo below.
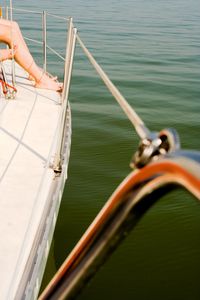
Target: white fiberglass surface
(28, 128)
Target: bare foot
(7, 53)
(48, 83)
(31, 78)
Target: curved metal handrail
(135, 195)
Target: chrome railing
(42, 42)
(70, 48)
(68, 62)
(152, 143)
(44, 36)
(152, 146)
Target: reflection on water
(150, 49)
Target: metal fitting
(155, 146)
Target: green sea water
(151, 50)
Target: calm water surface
(151, 51)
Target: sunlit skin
(11, 35)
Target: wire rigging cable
(139, 125)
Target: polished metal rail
(98, 240)
(68, 59)
(151, 142)
(12, 48)
(126, 206)
(44, 37)
(70, 49)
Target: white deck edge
(30, 282)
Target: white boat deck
(28, 127)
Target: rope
(140, 127)
(5, 84)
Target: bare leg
(7, 54)
(11, 35)
(16, 26)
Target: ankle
(32, 71)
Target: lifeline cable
(139, 125)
